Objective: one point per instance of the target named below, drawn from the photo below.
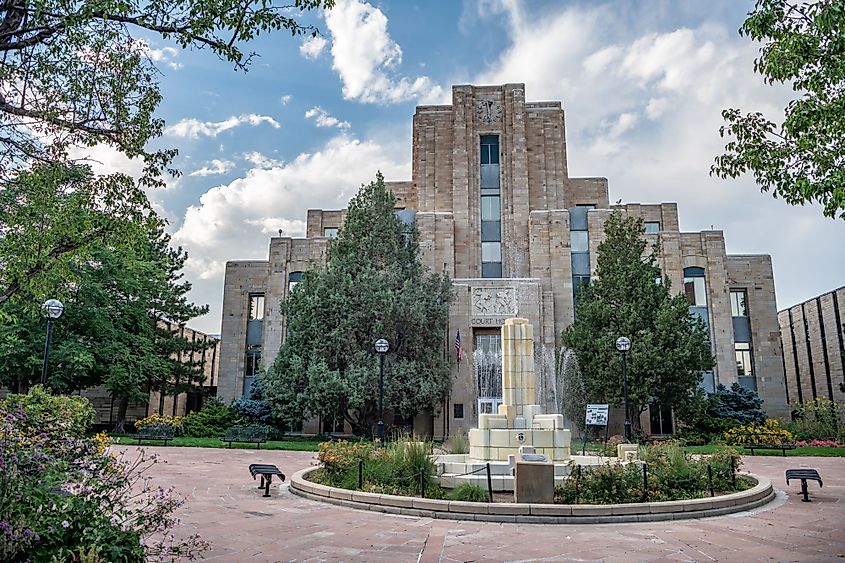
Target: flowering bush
(66, 498)
(52, 414)
(769, 432)
(155, 419)
(820, 443)
(819, 419)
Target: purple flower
(65, 524)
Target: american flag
(458, 346)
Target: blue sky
(642, 84)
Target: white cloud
(216, 166)
(165, 55)
(323, 119)
(191, 128)
(233, 221)
(311, 47)
(260, 161)
(367, 59)
(643, 103)
(285, 99)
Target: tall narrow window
(744, 366)
(256, 307)
(739, 300)
(579, 242)
(694, 287)
(491, 209)
(293, 279)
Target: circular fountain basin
(760, 494)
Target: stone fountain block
(628, 452)
(534, 481)
(562, 439)
(492, 421)
(500, 438)
(542, 438)
(549, 421)
(479, 437)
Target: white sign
(596, 415)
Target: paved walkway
(225, 507)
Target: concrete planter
(758, 495)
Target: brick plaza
(226, 508)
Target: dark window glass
(256, 307)
(459, 410)
(293, 279)
(332, 424)
(491, 269)
(578, 282)
(739, 303)
(489, 149)
(330, 232)
(491, 231)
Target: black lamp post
(52, 309)
(382, 346)
(623, 344)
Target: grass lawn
(799, 451)
(294, 444)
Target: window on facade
(293, 279)
(651, 227)
(739, 303)
(332, 424)
(578, 282)
(256, 307)
(458, 410)
(491, 251)
(330, 232)
(252, 367)
(487, 360)
(489, 149)
(694, 287)
(491, 208)
(580, 241)
(744, 366)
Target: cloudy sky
(642, 84)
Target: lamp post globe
(623, 344)
(52, 309)
(382, 346)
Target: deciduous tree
(801, 160)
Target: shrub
(212, 421)
(156, 419)
(819, 419)
(458, 443)
(671, 476)
(468, 492)
(769, 432)
(54, 415)
(393, 469)
(737, 403)
(64, 498)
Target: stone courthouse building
(497, 210)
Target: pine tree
(373, 286)
(669, 348)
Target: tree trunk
(119, 424)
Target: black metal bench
(163, 432)
(804, 475)
(781, 447)
(246, 434)
(266, 471)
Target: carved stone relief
(493, 301)
(488, 111)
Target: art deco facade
(497, 210)
(813, 338)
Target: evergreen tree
(669, 348)
(373, 286)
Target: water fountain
(520, 424)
